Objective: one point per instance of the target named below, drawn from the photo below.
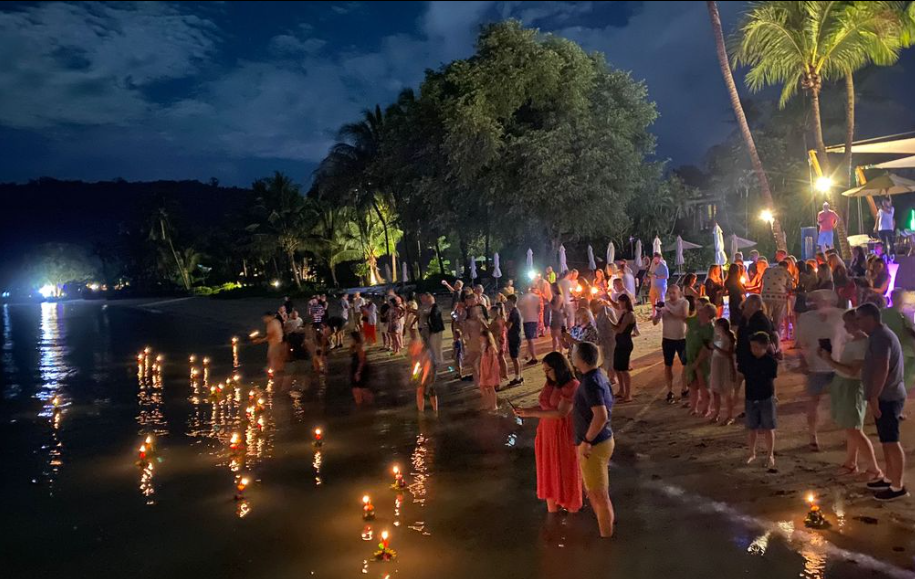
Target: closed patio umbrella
(592, 265)
(496, 272)
(563, 265)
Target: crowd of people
(728, 333)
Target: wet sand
(666, 445)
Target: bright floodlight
(823, 184)
(767, 216)
(46, 290)
(275, 283)
(531, 274)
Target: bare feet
(752, 459)
(770, 463)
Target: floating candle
(368, 510)
(398, 479)
(318, 437)
(234, 340)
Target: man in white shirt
(815, 329)
(358, 304)
(619, 288)
(673, 339)
(566, 284)
(885, 226)
(529, 308)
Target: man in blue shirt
(658, 274)
(593, 436)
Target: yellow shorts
(594, 468)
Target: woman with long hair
(499, 329)
(691, 291)
(734, 286)
(623, 351)
(489, 369)
(558, 474)
(714, 287)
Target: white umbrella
(592, 265)
(678, 260)
(387, 273)
(496, 272)
(611, 253)
(563, 266)
(530, 259)
(403, 269)
(718, 237)
(638, 256)
(888, 184)
(656, 245)
(732, 242)
(473, 269)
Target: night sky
(234, 90)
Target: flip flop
(846, 470)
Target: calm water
(77, 504)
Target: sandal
(846, 470)
(670, 397)
(728, 422)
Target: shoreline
(666, 446)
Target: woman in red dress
(558, 476)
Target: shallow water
(77, 504)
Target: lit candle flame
(811, 498)
(254, 334)
(594, 291)
(365, 500)
(192, 359)
(234, 340)
(149, 440)
(159, 358)
(396, 470)
(384, 535)
(206, 361)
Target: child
(724, 374)
(499, 330)
(360, 371)
(513, 337)
(760, 372)
(458, 351)
(489, 369)
(700, 331)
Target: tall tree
(161, 230)
(761, 177)
(806, 44)
(281, 217)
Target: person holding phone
(823, 322)
(558, 474)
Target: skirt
(847, 403)
(622, 353)
(558, 472)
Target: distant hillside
(48, 210)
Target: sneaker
(890, 495)
(533, 362)
(670, 397)
(878, 485)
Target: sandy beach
(683, 453)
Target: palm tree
(332, 238)
(761, 178)
(161, 230)
(355, 161)
(805, 44)
(281, 217)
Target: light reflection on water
(52, 368)
(468, 512)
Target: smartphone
(826, 344)
(564, 329)
(659, 305)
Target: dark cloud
(166, 90)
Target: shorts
(888, 423)
(514, 348)
(672, 347)
(761, 414)
(336, 323)
(818, 382)
(825, 239)
(530, 330)
(777, 307)
(594, 468)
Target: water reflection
(149, 394)
(7, 360)
(52, 369)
